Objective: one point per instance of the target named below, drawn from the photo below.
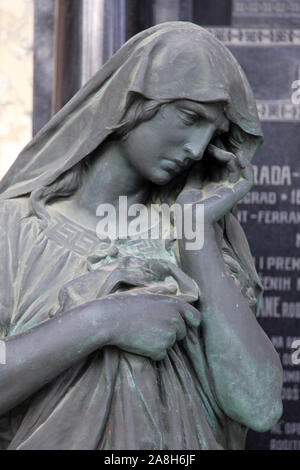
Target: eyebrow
(222, 122)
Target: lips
(183, 164)
(173, 165)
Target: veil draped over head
(170, 61)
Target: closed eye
(189, 117)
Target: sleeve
(9, 235)
(9, 242)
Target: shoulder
(14, 208)
(12, 212)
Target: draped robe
(112, 399)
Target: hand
(219, 184)
(149, 324)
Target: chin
(161, 178)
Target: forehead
(212, 112)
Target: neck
(110, 176)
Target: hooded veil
(170, 61)
(167, 62)
(164, 63)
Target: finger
(246, 167)
(248, 173)
(158, 355)
(234, 171)
(237, 137)
(186, 298)
(225, 174)
(243, 186)
(191, 316)
(228, 159)
(242, 160)
(221, 155)
(169, 340)
(180, 328)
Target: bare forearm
(145, 324)
(244, 364)
(35, 357)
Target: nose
(192, 152)
(195, 147)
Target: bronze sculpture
(136, 345)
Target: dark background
(264, 36)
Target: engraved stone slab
(273, 13)
(270, 213)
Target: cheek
(143, 143)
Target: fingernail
(191, 317)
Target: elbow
(267, 419)
(268, 408)
(258, 407)
(257, 418)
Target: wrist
(100, 318)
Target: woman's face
(176, 137)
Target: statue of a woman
(140, 344)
